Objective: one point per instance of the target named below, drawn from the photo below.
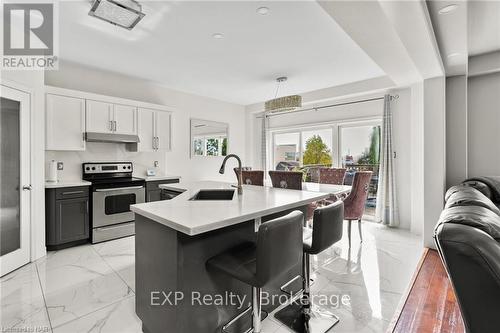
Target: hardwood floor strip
(402, 302)
(431, 305)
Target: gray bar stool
(277, 250)
(327, 230)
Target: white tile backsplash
(104, 152)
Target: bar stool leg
(305, 317)
(306, 296)
(256, 309)
(349, 232)
(359, 228)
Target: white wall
(434, 155)
(416, 171)
(402, 125)
(456, 130)
(178, 161)
(484, 125)
(370, 110)
(33, 81)
(104, 152)
(482, 64)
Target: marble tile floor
(90, 288)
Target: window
(286, 151)
(210, 146)
(361, 152)
(317, 147)
(354, 146)
(360, 145)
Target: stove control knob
(129, 167)
(124, 167)
(87, 168)
(93, 168)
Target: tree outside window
(224, 147)
(316, 152)
(212, 147)
(371, 155)
(198, 146)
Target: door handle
(111, 125)
(157, 142)
(27, 187)
(114, 122)
(118, 188)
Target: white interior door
(15, 188)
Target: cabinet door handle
(87, 206)
(157, 142)
(114, 122)
(154, 142)
(110, 125)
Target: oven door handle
(118, 188)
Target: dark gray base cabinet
(154, 193)
(66, 217)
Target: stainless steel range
(113, 190)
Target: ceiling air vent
(123, 13)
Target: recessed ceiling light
(263, 10)
(451, 55)
(218, 35)
(448, 9)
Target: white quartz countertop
(196, 217)
(328, 188)
(67, 183)
(160, 177)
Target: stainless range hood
(107, 137)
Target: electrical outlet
(156, 164)
(60, 165)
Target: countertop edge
(69, 183)
(226, 222)
(159, 178)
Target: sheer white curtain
(387, 206)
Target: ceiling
(173, 46)
(471, 29)
(484, 27)
(451, 33)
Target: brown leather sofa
(468, 241)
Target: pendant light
(285, 103)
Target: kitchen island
(174, 238)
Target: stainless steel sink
(214, 194)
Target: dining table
(337, 192)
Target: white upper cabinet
(125, 119)
(146, 122)
(154, 130)
(70, 114)
(65, 123)
(99, 117)
(163, 130)
(103, 117)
